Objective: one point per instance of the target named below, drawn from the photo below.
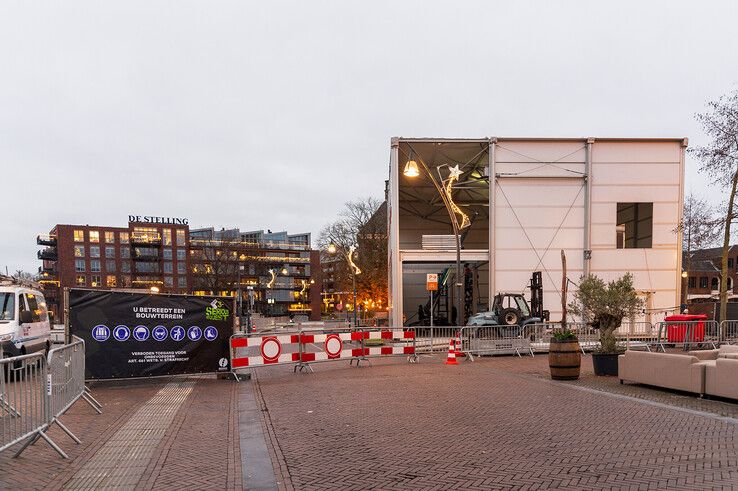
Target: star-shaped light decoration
(351, 260)
(455, 172)
(453, 176)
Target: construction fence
(303, 347)
(536, 338)
(36, 391)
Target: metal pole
(459, 283)
(353, 276)
(431, 309)
(240, 300)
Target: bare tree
(720, 162)
(699, 226)
(362, 225)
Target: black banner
(143, 335)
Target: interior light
(411, 169)
(331, 248)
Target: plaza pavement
(495, 423)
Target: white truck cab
(24, 321)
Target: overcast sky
(272, 114)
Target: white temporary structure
(613, 205)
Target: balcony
(145, 238)
(146, 255)
(46, 239)
(48, 254)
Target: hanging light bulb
(411, 167)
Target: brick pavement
(494, 423)
(497, 423)
(199, 450)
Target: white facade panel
(543, 208)
(634, 151)
(635, 174)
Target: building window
(730, 284)
(703, 281)
(692, 282)
(182, 282)
(634, 225)
(110, 281)
(110, 252)
(168, 281)
(110, 237)
(125, 267)
(79, 235)
(181, 268)
(79, 251)
(81, 280)
(95, 280)
(730, 262)
(181, 254)
(94, 236)
(167, 252)
(168, 267)
(79, 265)
(180, 237)
(125, 280)
(714, 284)
(95, 265)
(123, 236)
(125, 252)
(167, 236)
(110, 265)
(94, 251)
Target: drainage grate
(121, 462)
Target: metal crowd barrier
(729, 332)
(35, 391)
(304, 347)
(434, 339)
(689, 334)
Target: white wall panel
(635, 194)
(542, 151)
(636, 151)
(635, 173)
(540, 216)
(540, 192)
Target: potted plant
(606, 304)
(564, 355)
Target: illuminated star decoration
(453, 176)
(304, 287)
(351, 260)
(271, 282)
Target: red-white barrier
(305, 347)
(271, 350)
(331, 346)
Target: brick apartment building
(164, 254)
(704, 271)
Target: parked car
(24, 321)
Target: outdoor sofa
(713, 372)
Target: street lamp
(354, 271)
(154, 289)
(240, 296)
(444, 189)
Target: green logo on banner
(217, 311)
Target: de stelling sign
(142, 335)
(153, 219)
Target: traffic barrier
(459, 346)
(35, 391)
(24, 404)
(403, 342)
(729, 332)
(257, 350)
(303, 347)
(688, 334)
(433, 339)
(66, 382)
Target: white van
(24, 321)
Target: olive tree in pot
(606, 304)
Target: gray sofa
(712, 372)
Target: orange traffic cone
(451, 358)
(458, 351)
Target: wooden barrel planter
(564, 359)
